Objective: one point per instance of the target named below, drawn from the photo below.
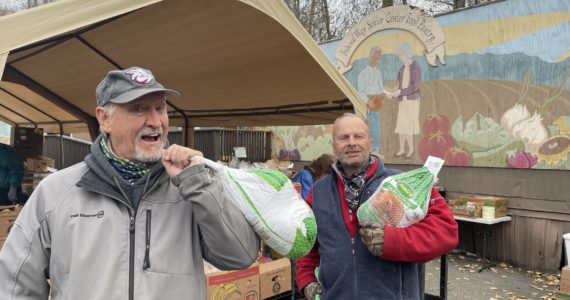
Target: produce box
(464, 208)
(274, 278)
(27, 188)
(565, 280)
(234, 285)
(39, 164)
(8, 215)
(500, 204)
(38, 177)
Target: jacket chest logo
(97, 215)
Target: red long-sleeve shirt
(433, 236)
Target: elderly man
(372, 261)
(134, 220)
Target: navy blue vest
(361, 275)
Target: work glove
(311, 290)
(12, 195)
(372, 235)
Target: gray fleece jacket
(80, 230)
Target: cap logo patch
(140, 76)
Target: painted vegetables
(401, 200)
(479, 133)
(435, 123)
(436, 139)
(272, 206)
(521, 160)
(435, 144)
(455, 156)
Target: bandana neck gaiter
(130, 170)
(353, 185)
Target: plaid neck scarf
(130, 170)
(354, 184)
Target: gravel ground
(499, 282)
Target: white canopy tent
(235, 63)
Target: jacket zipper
(132, 219)
(352, 243)
(146, 262)
(131, 255)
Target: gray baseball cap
(123, 86)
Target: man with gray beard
(135, 220)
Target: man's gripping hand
(177, 158)
(372, 235)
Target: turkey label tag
(434, 164)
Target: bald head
(348, 115)
(352, 143)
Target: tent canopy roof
(235, 63)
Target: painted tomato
(455, 156)
(435, 144)
(435, 123)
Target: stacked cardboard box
(242, 284)
(40, 164)
(462, 207)
(37, 178)
(262, 280)
(8, 215)
(274, 278)
(471, 205)
(500, 204)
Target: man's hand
(177, 158)
(311, 290)
(372, 235)
(12, 194)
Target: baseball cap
(123, 86)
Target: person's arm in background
(433, 236)
(305, 178)
(415, 80)
(306, 265)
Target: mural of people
(371, 88)
(408, 122)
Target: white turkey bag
(272, 206)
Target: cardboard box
(464, 208)
(40, 164)
(38, 177)
(234, 285)
(565, 280)
(500, 204)
(2, 240)
(274, 278)
(27, 188)
(8, 215)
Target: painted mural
(499, 96)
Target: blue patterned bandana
(130, 170)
